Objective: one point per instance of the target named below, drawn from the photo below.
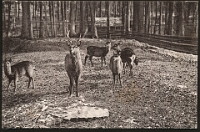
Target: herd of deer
(73, 63)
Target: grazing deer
(73, 65)
(98, 52)
(15, 71)
(129, 57)
(116, 66)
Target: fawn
(17, 70)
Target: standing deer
(98, 52)
(127, 56)
(15, 71)
(116, 66)
(73, 65)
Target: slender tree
(170, 19)
(27, 30)
(156, 11)
(82, 17)
(72, 18)
(108, 18)
(41, 32)
(180, 19)
(135, 16)
(160, 18)
(166, 17)
(127, 17)
(93, 14)
(140, 18)
(147, 14)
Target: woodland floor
(162, 93)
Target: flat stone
(83, 112)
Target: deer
(98, 52)
(116, 66)
(127, 56)
(13, 72)
(73, 64)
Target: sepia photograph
(99, 64)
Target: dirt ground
(162, 93)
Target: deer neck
(76, 58)
(108, 48)
(7, 70)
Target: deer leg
(33, 82)
(71, 86)
(9, 81)
(113, 80)
(86, 59)
(15, 83)
(104, 60)
(101, 61)
(29, 81)
(91, 60)
(130, 69)
(76, 81)
(124, 67)
(120, 80)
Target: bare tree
(93, 14)
(108, 18)
(82, 17)
(41, 32)
(180, 19)
(147, 14)
(170, 19)
(72, 18)
(140, 17)
(128, 17)
(160, 18)
(27, 30)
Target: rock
(181, 86)
(83, 112)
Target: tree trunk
(100, 9)
(27, 30)
(115, 8)
(155, 26)
(147, 13)
(82, 17)
(46, 19)
(127, 17)
(9, 21)
(135, 16)
(180, 19)
(108, 18)
(166, 17)
(197, 16)
(160, 18)
(170, 20)
(18, 9)
(124, 14)
(41, 32)
(63, 17)
(120, 8)
(50, 15)
(72, 18)
(54, 24)
(93, 26)
(152, 17)
(141, 16)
